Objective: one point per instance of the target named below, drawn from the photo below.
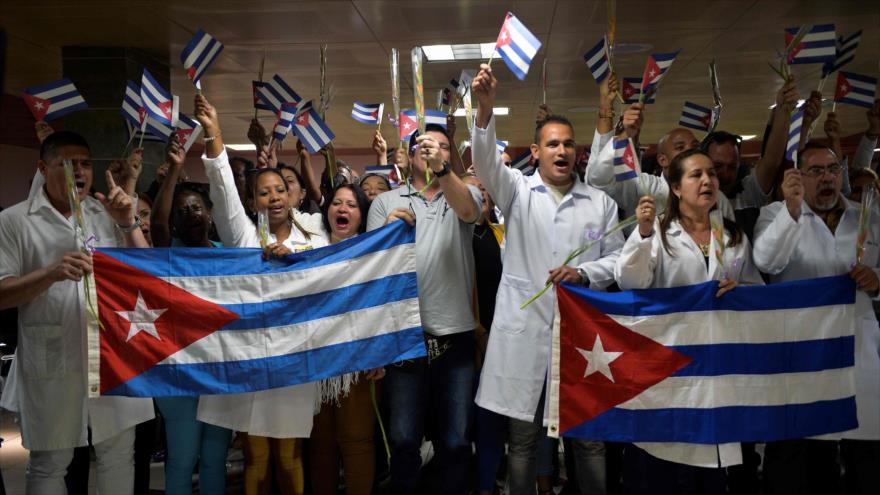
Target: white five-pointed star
(598, 359)
(38, 105)
(143, 319)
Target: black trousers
(644, 474)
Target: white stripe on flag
(822, 51)
(704, 392)
(69, 102)
(710, 327)
(318, 131)
(364, 108)
(297, 283)
(60, 90)
(515, 58)
(206, 61)
(196, 51)
(517, 38)
(238, 345)
(686, 119)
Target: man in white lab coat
(41, 268)
(548, 215)
(812, 233)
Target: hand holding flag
(656, 67)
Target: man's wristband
(128, 229)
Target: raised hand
(793, 192)
(206, 114)
(483, 88)
(645, 214)
(117, 203)
(633, 118)
(174, 154)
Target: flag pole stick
(260, 76)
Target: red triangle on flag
(628, 90)
(634, 361)
(191, 73)
(504, 35)
(184, 135)
(302, 120)
(184, 319)
(843, 86)
(652, 72)
(705, 119)
(38, 106)
(407, 125)
(795, 50)
(629, 157)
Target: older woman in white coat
(680, 249)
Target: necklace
(704, 248)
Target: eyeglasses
(817, 171)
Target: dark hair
(146, 199)
(248, 165)
(359, 196)
(299, 179)
(720, 137)
(257, 173)
(383, 177)
(550, 119)
(57, 140)
(674, 174)
(195, 188)
(813, 145)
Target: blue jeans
(444, 387)
(190, 441)
(490, 438)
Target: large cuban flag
(761, 363)
(186, 322)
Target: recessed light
(466, 51)
(496, 110)
(746, 137)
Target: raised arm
(777, 231)
(768, 165)
(380, 148)
(312, 184)
(131, 170)
(464, 201)
(865, 151)
(160, 220)
(499, 180)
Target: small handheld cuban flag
(53, 100)
(408, 123)
(388, 171)
(631, 90)
(198, 54)
(132, 106)
(597, 61)
(517, 46)
(794, 134)
(188, 131)
(367, 113)
(656, 67)
(283, 124)
(695, 117)
(845, 52)
(855, 89)
(817, 47)
(135, 132)
(259, 103)
(626, 161)
(158, 102)
(311, 130)
(158, 129)
(275, 93)
(501, 145)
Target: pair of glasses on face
(816, 171)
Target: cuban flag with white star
(760, 363)
(656, 67)
(188, 131)
(844, 52)
(855, 89)
(367, 113)
(631, 91)
(53, 100)
(197, 321)
(311, 129)
(275, 92)
(132, 105)
(285, 122)
(626, 160)
(158, 102)
(198, 54)
(408, 124)
(695, 117)
(817, 47)
(597, 61)
(517, 46)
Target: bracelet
(606, 113)
(208, 139)
(128, 229)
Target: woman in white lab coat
(273, 419)
(680, 249)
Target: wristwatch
(130, 228)
(443, 171)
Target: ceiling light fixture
(242, 147)
(746, 137)
(452, 53)
(496, 110)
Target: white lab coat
(284, 412)
(600, 174)
(806, 248)
(644, 263)
(539, 235)
(51, 359)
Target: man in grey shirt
(443, 210)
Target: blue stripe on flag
(266, 314)
(777, 357)
(277, 371)
(721, 425)
(167, 262)
(796, 294)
